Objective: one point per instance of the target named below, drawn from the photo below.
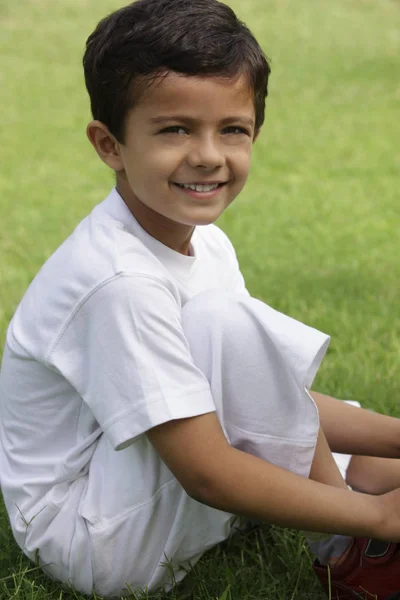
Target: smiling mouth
(200, 187)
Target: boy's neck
(174, 235)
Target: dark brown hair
(153, 37)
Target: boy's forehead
(176, 92)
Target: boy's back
(84, 356)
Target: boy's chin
(205, 220)
(208, 217)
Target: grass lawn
(316, 229)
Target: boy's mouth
(201, 187)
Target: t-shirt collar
(115, 207)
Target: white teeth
(198, 188)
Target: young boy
(146, 397)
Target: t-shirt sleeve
(125, 352)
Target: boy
(146, 398)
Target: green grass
(316, 229)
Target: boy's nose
(206, 153)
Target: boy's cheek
(161, 159)
(244, 165)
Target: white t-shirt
(97, 346)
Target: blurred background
(317, 227)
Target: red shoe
(370, 571)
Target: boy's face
(186, 131)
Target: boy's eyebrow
(164, 119)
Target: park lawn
(316, 228)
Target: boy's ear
(105, 144)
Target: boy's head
(177, 92)
(152, 37)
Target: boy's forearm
(248, 486)
(352, 430)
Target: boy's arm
(351, 430)
(214, 473)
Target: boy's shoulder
(215, 237)
(102, 246)
(100, 249)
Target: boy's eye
(174, 129)
(236, 130)
(232, 130)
